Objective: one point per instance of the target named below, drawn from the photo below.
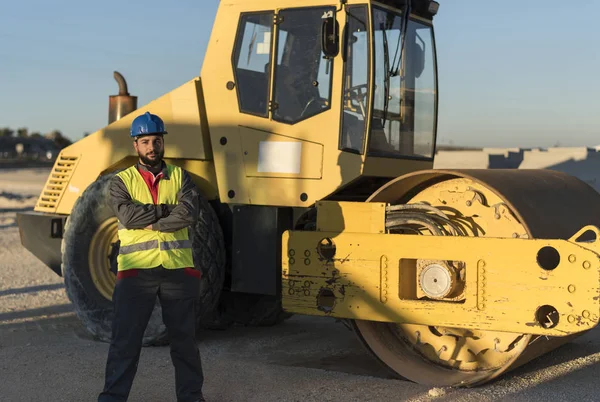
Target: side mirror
(330, 35)
(418, 59)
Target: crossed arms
(162, 217)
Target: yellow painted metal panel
(374, 277)
(272, 155)
(181, 109)
(351, 217)
(202, 174)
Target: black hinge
(273, 106)
(277, 19)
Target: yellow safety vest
(141, 248)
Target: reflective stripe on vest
(142, 248)
(152, 244)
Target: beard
(154, 161)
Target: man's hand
(166, 209)
(149, 227)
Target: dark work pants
(134, 299)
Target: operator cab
(389, 74)
(339, 97)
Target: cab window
(356, 80)
(251, 62)
(302, 74)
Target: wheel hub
(104, 248)
(437, 281)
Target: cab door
(274, 111)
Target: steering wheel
(358, 93)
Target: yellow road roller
(311, 134)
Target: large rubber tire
(90, 213)
(245, 309)
(257, 310)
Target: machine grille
(57, 183)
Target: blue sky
(511, 73)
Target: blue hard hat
(147, 124)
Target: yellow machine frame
(351, 267)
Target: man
(155, 203)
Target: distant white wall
(581, 162)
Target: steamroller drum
(484, 203)
(89, 250)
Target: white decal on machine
(279, 157)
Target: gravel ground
(46, 355)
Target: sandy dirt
(45, 354)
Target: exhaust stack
(121, 104)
